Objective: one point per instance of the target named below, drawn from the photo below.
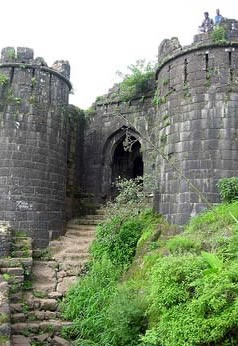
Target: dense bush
(191, 306)
(130, 200)
(228, 189)
(136, 82)
(117, 239)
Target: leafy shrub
(192, 307)
(219, 34)
(181, 244)
(117, 239)
(228, 189)
(3, 79)
(130, 200)
(137, 81)
(171, 279)
(126, 318)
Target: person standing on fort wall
(218, 17)
(207, 23)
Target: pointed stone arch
(118, 162)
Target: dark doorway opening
(127, 164)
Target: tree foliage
(137, 81)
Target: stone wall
(5, 239)
(194, 124)
(106, 128)
(198, 97)
(33, 143)
(75, 148)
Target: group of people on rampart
(208, 23)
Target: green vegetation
(3, 339)
(91, 111)
(3, 318)
(39, 294)
(38, 343)
(6, 276)
(149, 285)
(137, 81)
(10, 53)
(42, 254)
(219, 34)
(228, 189)
(3, 79)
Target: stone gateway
(55, 163)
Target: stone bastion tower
(33, 101)
(197, 119)
(191, 116)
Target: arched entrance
(125, 163)
(119, 161)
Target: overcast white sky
(99, 37)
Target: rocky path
(34, 299)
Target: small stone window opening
(230, 66)
(207, 63)
(185, 71)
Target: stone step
(16, 297)
(82, 221)
(16, 262)
(72, 235)
(55, 248)
(38, 326)
(22, 241)
(32, 316)
(79, 258)
(16, 271)
(50, 263)
(16, 280)
(43, 288)
(44, 275)
(17, 307)
(74, 249)
(21, 253)
(81, 227)
(41, 339)
(20, 340)
(80, 231)
(69, 241)
(79, 236)
(18, 317)
(35, 303)
(100, 211)
(72, 266)
(92, 217)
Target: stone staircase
(71, 251)
(37, 286)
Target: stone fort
(56, 163)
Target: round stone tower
(197, 119)
(33, 101)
